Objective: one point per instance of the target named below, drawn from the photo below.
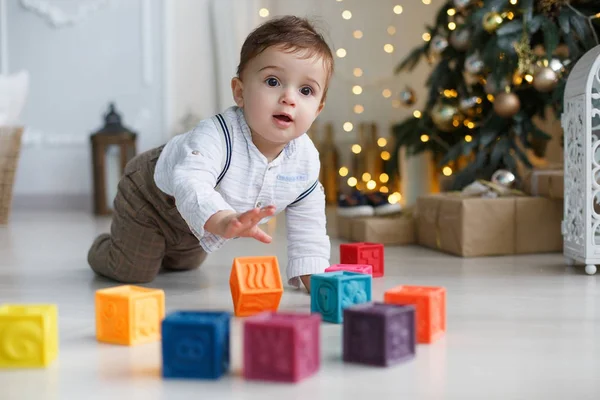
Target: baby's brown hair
(292, 34)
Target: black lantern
(112, 148)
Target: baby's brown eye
(306, 91)
(272, 82)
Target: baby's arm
(188, 170)
(308, 243)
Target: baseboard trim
(53, 202)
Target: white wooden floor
(518, 327)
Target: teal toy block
(332, 292)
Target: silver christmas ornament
(439, 44)
(504, 178)
(462, 4)
(474, 64)
(460, 39)
(408, 96)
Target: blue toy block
(332, 292)
(195, 344)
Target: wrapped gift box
(545, 182)
(398, 229)
(478, 226)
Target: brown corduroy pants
(147, 232)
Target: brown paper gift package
(397, 230)
(474, 227)
(545, 183)
(393, 230)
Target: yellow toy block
(28, 335)
(129, 315)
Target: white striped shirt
(216, 166)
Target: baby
(233, 171)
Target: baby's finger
(266, 212)
(247, 217)
(261, 236)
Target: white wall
(113, 54)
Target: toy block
(360, 268)
(430, 304)
(255, 284)
(28, 335)
(129, 315)
(363, 253)
(332, 292)
(281, 347)
(195, 344)
(379, 334)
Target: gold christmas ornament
(492, 21)
(545, 79)
(526, 55)
(507, 104)
(460, 39)
(408, 96)
(446, 117)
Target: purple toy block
(360, 268)
(282, 347)
(379, 334)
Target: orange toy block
(129, 315)
(430, 305)
(255, 284)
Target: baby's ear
(237, 89)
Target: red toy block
(430, 304)
(255, 284)
(360, 268)
(281, 347)
(363, 253)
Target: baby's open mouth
(283, 118)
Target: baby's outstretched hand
(245, 224)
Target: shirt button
(258, 204)
(195, 152)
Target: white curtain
(231, 22)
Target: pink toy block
(363, 253)
(281, 347)
(360, 268)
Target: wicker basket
(10, 148)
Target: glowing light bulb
(343, 171)
(263, 12)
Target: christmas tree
(496, 65)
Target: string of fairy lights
(358, 87)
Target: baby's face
(282, 94)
